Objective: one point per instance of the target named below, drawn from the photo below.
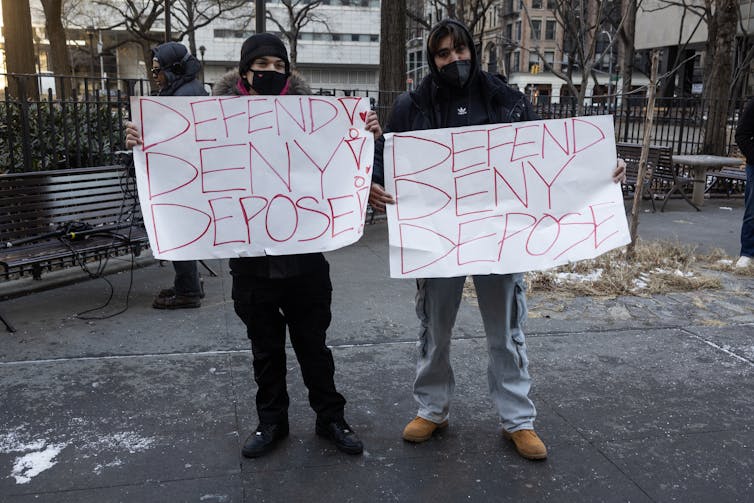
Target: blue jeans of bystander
(747, 227)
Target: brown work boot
(527, 444)
(177, 302)
(420, 429)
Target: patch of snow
(572, 276)
(13, 441)
(126, 440)
(682, 274)
(32, 464)
(98, 468)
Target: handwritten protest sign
(234, 176)
(502, 198)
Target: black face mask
(457, 73)
(268, 81)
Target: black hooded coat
(427, 106)
(271, 266)
(180, 68)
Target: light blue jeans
(502, 304)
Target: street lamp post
(168, 34)
(202, 50)
(90, 35)
(259, 16)
(609, 69)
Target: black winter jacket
(180, 68)
(745, 132)
(421, 109)
(271, 266)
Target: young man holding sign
(272, 292)
(457, 93)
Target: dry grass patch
(657, 268)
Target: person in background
(745, 142)
(175, 71)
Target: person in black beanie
(271, 293)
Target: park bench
(631, 153)
(63, 218)
(57, 219)
(667, 178)
(727, 180)
(662, 178)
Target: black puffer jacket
(180, 68)
(745, 132)
(423, 108)
(271, 266)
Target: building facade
(682, 40)
(338, 49)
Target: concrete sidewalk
(639, 399)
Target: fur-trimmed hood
(227, 85)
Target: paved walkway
(639, 399)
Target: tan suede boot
(420, 429)
(527, 444)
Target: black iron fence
(50, 122)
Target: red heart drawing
(368, 169)
(363, 116)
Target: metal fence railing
(51, 122)
(679, 123)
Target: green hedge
(61, 134)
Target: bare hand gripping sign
(502, 198)
(252, 175)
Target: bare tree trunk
(146, 50)
(627, 37)
(717, 85)
(639, 189)
(19, 45)
(60, 62)
(392, 55)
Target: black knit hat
(262, 44)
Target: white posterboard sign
(502, 198)
(237, 176)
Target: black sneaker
(341, 435)
(264, 439)
(170, 292)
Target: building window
(518, 31)
(492, 63)
(516, 63)
(533, 62)
(536, 29)
(509, 32)
(536, 4)
(550, 29)
(550, 58)
(552, 4)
